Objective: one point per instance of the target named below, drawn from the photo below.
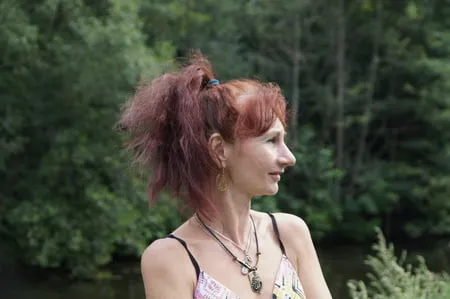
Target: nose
(287, 158)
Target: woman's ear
(217, 149)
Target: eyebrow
(277, 131)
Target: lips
(276, 175)
(276, 172)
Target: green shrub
(392, 278)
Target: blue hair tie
(213, 82)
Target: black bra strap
(194, 262)
(277, 233)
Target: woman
(216, 145)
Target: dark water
(339, 264)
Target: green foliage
(391, 278)
(67, 196)
(194, 25)
(68, 65)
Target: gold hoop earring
(221, 181)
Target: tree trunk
(340, 97)
(370, 94)
(295, 97)
(340, 62)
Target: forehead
(277, 127)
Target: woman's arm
(296, 236)
(165, 273)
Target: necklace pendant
(244, 270)
(255, 282)
(248, 260)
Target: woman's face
(256, 164)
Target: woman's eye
(272, 140)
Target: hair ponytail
(166, 124)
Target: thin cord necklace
(247, 269)
(248, 258)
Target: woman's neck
(231, 216)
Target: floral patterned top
(287, 285)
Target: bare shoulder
(288, 224)
(158, 253)
(295, 234)
(166, 270)
(291, 225)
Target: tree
(66, 67)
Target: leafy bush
(392, 278)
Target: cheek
(251, 161)
(263, 158)
(256, 158)
(247, 170)
(260, 163)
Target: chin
(267, 190)
(272, 190)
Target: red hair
(171, 119)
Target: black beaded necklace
(247, 269)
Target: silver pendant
(244, 270)
(255, 282)
(248, 260)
